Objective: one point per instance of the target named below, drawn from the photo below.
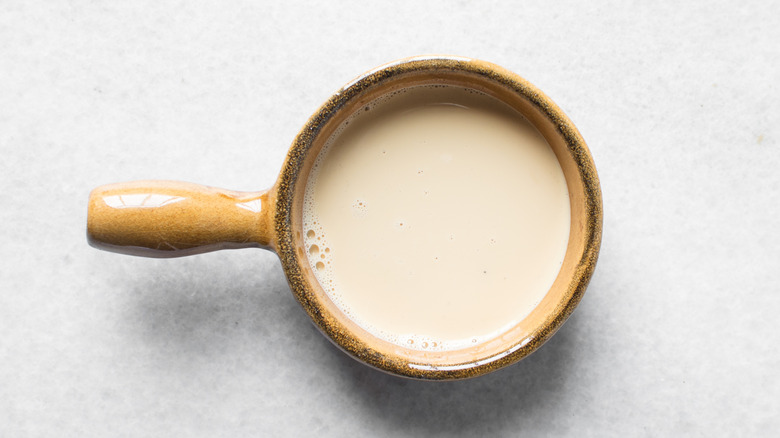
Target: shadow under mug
(171, 219)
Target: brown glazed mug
(171, 219)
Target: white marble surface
(677, 335)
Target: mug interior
(581, 252)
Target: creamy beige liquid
(436, 218)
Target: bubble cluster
(317, 255)
(424, 343)
(359, 208)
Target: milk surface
(436, 217)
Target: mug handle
(174, 219)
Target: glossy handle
(173, 219)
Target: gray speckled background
(677, 334)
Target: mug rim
(287, 245)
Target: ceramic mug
(171, 219)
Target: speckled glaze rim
(287, 245)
